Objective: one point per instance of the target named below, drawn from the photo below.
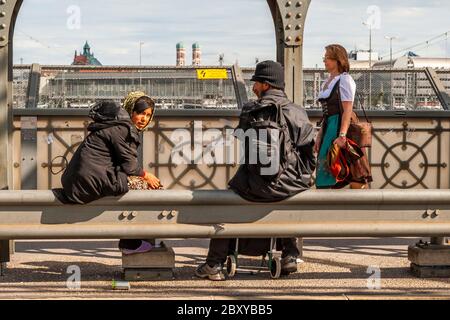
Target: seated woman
(106, 163)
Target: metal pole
(370, 62)
(223, 230)
(439, 241)
(140, 64)
(300, 247)
(140, 53)
(370, 46)
(391, 67)
(370, 66)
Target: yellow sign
(212, 74)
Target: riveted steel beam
(289, 18)
(8, 15)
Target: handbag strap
(362, 107)
(340, 101)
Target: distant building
(414, 86)
(85, 59)
(413, 61)
(360, 59)
(181, 55)
(196, 54)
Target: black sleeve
(125, 151)
(302, 130)
(306, 134)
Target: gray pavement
(333, 269)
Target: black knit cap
(270, 72)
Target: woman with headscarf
(107, 161)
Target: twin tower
(181, 55)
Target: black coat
(104, 160)
(297, 176)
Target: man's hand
(152, 181)
(317, 145)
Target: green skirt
(324, 178)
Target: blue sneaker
(144, 247)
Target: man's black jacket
(297, 176)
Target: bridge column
(8, 14)
(289, 18)
(4, 255)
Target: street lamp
(390, 40)
(140, 64)
(369, 25)
(140, 52)
(392, 65)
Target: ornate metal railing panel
(409, 151)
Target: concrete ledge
(163, 257)
(430, 272)
(148, 274)
(429, 255)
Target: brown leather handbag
(359, 131)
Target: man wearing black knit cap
(269, 73)
(293, 177)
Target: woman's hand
(152, 181)
(341, 142)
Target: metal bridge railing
(410, 148)
(178, 88)
(171, 87)
(384, 89)
(218, 214)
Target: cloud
(412, 12)
(241, 29)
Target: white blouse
(347, 87)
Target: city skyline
(115, 38)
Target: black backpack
(268, 122)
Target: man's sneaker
(289, 264)
(212, 273)
(144, 247)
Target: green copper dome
(180, 45)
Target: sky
(49, 31)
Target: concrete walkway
(333, 269)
